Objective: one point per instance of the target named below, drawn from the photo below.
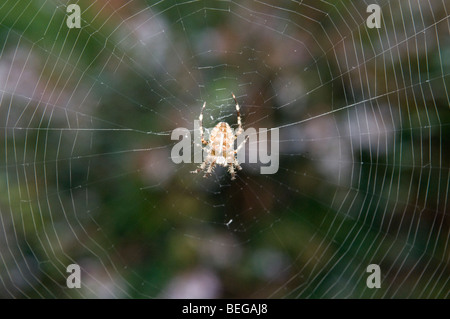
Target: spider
(220, 147)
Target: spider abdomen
(221, 142)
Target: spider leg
(210, 169)
(231, 170)
(200, 168)
(241, 145)
(240, 129)
(236, 163)
(200, 118)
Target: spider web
(86, 174)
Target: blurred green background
(86, 174)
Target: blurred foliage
(86, 175)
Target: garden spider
(220, 147)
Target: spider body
(220, 146)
